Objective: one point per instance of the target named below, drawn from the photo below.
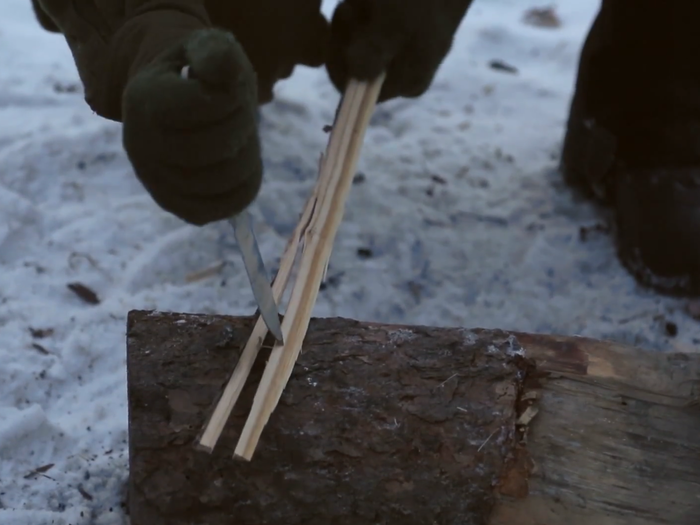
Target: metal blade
(257, 274)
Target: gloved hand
(408, 39)
(193, 140)
(44, 19)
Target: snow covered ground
(460, 218)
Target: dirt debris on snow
(542, 17)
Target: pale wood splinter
(315, 233)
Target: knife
(257, 274)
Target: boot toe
(658, 227)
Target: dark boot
(633, 137)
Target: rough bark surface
(403, 425)
(377, 425)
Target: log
(414, 425)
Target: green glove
(192, 138)
(407, 39)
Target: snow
(462, 212)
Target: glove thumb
(217, 59)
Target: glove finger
(410, 73)
(366, 57)
(364, 42)
(219, 171)
(372, 52)
(220, 177)
(200, 211)
(190, 149)
(335, 66)
(220, 78)
(347, 17)
(160, 97)
(199, 208)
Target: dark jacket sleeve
(111, 40)
(44, 20)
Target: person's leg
(633, 136)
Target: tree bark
(414, 425)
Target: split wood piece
(217, 421)
(414, 425)
(337, 172)
(337, 150)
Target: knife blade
(257, 274)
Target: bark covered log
(376, 426)
(414, 425)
